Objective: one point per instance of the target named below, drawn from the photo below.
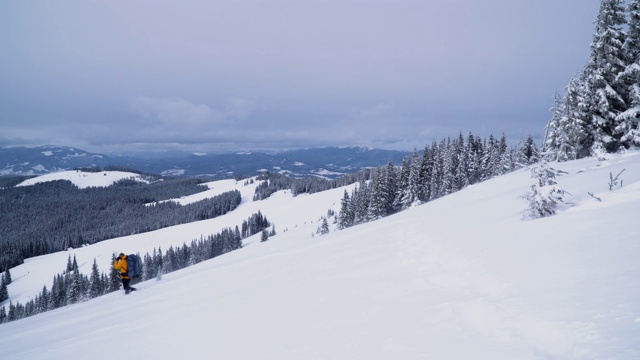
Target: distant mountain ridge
(328, 162)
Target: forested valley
(54, 216)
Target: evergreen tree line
(443, 168)
(273, 182)
(97, 169)
(54, 216)
(600, 109)
(72, 287)
(12, 180)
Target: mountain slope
(462, 277)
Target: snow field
(461, 277)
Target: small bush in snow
(545, 195)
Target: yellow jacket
(121, 264)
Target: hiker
(121, 264)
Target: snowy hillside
(462, 277)
(84, 179)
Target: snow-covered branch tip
(595, 197)
(613, 181)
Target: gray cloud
(283, 73)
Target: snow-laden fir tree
(426, 172)
(601, 110)
(58, 292)
(75, 293)
(629, 120)
(96, 287)
(403, 182)
(384, 192)
(461, 176)
(604, 88)
(4, 292)
(42, 303)
(7, 276)
(114, 277)
(527, 152)
(324, 227)
(346, 214)
(545, 195)
(575, 122)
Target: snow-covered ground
(462, 277)
(84, 179)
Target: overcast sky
(261, 74)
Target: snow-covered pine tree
(461, 177)
(69, 264)
(114, 277)
(392, 180)
(4, 292)
(527, 152)
(505, 162)
(346, 215)
(575, 122)
(363, 200)
(426, 171)
(58, 293)
(384, 192)
(629, 120)
(377, 203)
(75, 263)
(448, 168)
(414, 187)
(550, 144)
(435, 185)
(606, 63)
(42, 304)
(403, 182)
(545, 195)
(7, 277)
(96, 287)
(474, 159)
(149, 270)
(75, 293)
(324, 227)
(490, 159)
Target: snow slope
(462, 277)
(83, 179)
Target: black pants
(127, 287)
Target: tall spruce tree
(96, 287)
(629, 120)
(346, 215)
(7, 276)
(4, 292)
(606, 63)
(413, 193)
(114, 276)
(75, 293)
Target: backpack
(134, 266)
